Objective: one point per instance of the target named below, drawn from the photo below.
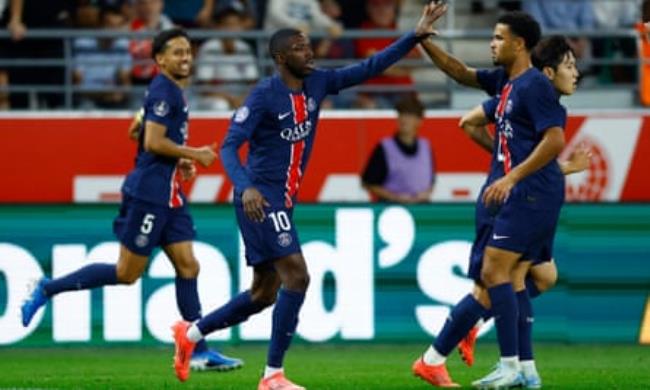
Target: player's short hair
(280, 40)
(410, 105)
(550, 52)
(160, 41)
(522, 25)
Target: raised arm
(376, 64)
(452, 66)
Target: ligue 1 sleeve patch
(241, 114)
(161, 108)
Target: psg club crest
(141, 240)
(284, 239)
(161, 108)
(241, 114)
(311, 104)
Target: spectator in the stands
(103, 63)
(401, 168)
(148, 17)
(226, 67)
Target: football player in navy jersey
(279, 121)
(518, 206)
(555, 58)
(154, 209)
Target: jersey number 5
(147, 224)
(281, 221)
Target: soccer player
(554, 57)
(279, 121)
(519, 205)
(154, 210)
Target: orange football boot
(436, 375)
(278, 381)
(184, 349)
(466, 346)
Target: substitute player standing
(154, 209)
(279, 121)
(519, 205)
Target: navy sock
(237, 310)
(461, 319)
(525, 324)
(90, 276)
(187, 300)
(285, 321)
(504, 307)
(533, 291)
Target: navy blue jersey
(154, 177)
(523, 109)
(280, 125)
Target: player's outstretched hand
(497, 193)
(206, 155)
(187, 168)
(580, 159)
(254, 204)
(430, 13)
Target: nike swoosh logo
(497, 237)
(282, 116)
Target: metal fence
(450, 38)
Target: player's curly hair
(550, 52)
(279, 40)
(160, 41)
(522, 25)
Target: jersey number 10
(281, 221)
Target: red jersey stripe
(294, 171)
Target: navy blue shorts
(141, 226)
(271, 239)
(516, 226)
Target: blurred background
(73, 73)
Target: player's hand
(17, 29)
(206, 155)
(254, 204)
(187, 169)
(497, 193)
(430, 13)
(580, 159)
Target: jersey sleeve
(490, 108)
(160, 107)
(489, 80)
(242, 126)
(543, 105)
(341, 78)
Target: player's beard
(296, 72)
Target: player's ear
(549, 72)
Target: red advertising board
(83, 157)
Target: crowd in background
(104, 70)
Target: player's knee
(264, 298)
(125, 276)
(299, 281)
(546, 283)
(190, 270)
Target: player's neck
(181, 82)
(521, 64)
(292, 82)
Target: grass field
(342, 366)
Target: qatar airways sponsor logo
(298, 132)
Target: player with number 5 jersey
(278, 121)
(154, 210)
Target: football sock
(511, 363)
(533, 291)
(194, 334)
(269, 371)
(285, 321)
(504, 307)
(433, 357)
(187, 300)
(237, 310)
(90, 276)
(525, 324)
(461, 319)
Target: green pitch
(332, 366)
